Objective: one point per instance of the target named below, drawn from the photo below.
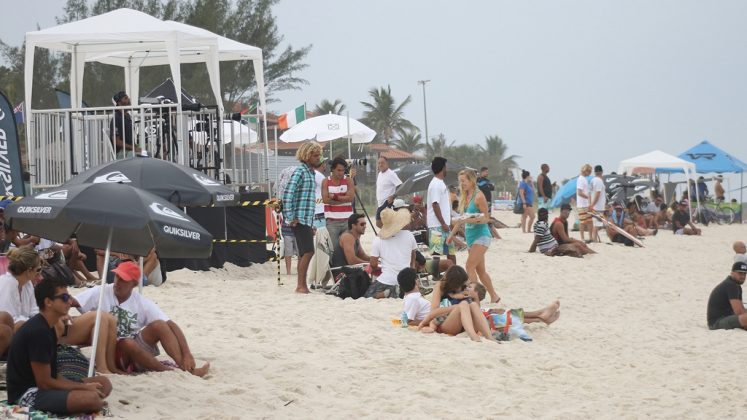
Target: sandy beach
(631, 342)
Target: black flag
(11, 175)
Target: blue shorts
(319, 221)
(482, 240)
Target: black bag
(354, 283)
(60, 271)
(518, 204)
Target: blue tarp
(565, 193)
(708, 159)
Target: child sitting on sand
(415, 306)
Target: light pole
(425, 112)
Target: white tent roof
(118, 30)
(656, 159)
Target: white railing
(65, 142)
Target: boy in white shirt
(415, 305)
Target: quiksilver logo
(34, 209)
(181, 232)
(224, 197)
(53, 195)
(333, 126)
(165, 211)
(205, 180)
(115, 176)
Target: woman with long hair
(472, 203)
(526, 192)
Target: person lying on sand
(141, 325)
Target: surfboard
(617, 229)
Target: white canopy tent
(659, 159)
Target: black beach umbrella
(127, 219)
(179, 184)
(420, 180)
(112, 216)
(621, 187)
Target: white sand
(631, 342)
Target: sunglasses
(65, 297)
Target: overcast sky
(562, 82)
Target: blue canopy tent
(711, 159)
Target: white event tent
(659, 159)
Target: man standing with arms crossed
(598, 201)
(439, 212)
(386, 183)
(544, 187)
(299, 202)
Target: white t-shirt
(438, 193)
(395, 253)
(21, 306)
(597, 185)
(386, 184)
(582, 185)
(318, 178)
(132, 315)
(416, 306)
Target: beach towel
(319, 272)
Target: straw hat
(393, 221)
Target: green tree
(327, 107)
(495, 153)
(438, 146)
(410, 142)
(384, 116)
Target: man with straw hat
(394, 249)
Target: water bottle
(403, 319)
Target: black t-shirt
(338, 256)
(121, 123)
(486, 187)
(682, 217)
(718, 302)
(546, 186)
(35, 341)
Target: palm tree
(409, 142)
(438, 146)
(384, 116)
(327, 107)
(495, 158)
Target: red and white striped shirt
(337, 211)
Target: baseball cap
(598, 168)
(127, 271)
(565, 206)
(119, 96)
(399, 203)
(739, 267)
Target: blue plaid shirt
(299, 196)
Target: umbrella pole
(140, 282)
(101, 302)
(349, 154)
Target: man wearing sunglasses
(141, 325)
(348, 249)
(32, 361)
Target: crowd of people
(35, 319)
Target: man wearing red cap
(141, 325)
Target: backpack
(353, 283)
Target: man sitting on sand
(681, 222)
(544, 240)
(395, 248)
(559, 230)
(740, 252)
(725, 308)
(348, 249)
(141, 325)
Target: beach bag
(518, 207)
(60, 271)
(353, 283)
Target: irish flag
(292, 117)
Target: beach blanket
(508, 325)
(9, 411)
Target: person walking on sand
(544, 187)
(439, 212)
(476, 232)
(582, 200)
(598, 201)
(299, 203)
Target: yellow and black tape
(242, 241)
(11, 197)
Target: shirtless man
(559, 230)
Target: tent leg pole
(97, 325)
